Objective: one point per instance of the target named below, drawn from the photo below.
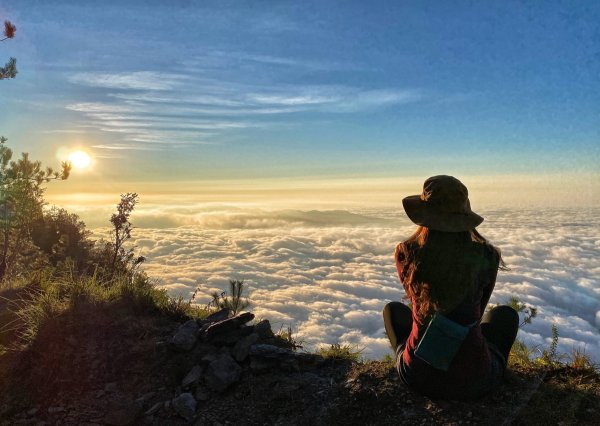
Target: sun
(80, 159)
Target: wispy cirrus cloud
(122, 147)
(335, 98)
(138, 80)
(189, 107)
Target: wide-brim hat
(444, 206)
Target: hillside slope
(107, 364)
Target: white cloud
(147, 107)
(124, 147)
(329, 274)
(140, 80)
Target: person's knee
(391, 307)
(507, 312)
(502, 315)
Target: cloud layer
(329, 274)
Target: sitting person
(448, 271)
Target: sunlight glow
(80, 159)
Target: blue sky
(188, 90)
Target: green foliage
(21, 202)
(50, 294)
(529, 311)
(62, 235)
(9, 70)
(336, 351)
(234, 302)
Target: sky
(186, 91)
(273, 141)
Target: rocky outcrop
(226, 351)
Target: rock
(222, 372)
(186, 336)
(54, 410)
(264, 357)
(229, 324)
(242, 347)
(185, 405)
(221, 315)
(32, 412)
(230, 337)
(275, 352)
(270, 351)
(145, 398)
(192, 377)
(263, 328)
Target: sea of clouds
(328, 274)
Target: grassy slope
(65, 342)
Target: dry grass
(337, 351)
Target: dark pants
(499, 326)
(397, 319)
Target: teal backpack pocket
(441, 341)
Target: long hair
(439, 269)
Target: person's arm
(489, 275)
(400, 258)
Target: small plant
(580, 360)
(34, 310)
(549, 356)
(520, 353)
(122, 230)
(288, 337)
(341, 352)
(529, 311)
(389, 360)
(235, 303)
(180, 309)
